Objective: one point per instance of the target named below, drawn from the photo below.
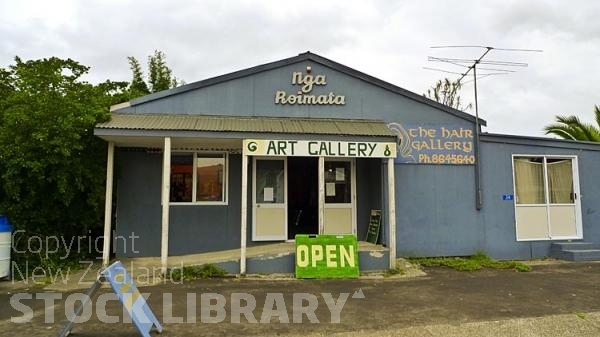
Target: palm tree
(571, 127)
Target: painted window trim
(225, 201)
(258, 238)
(576, 187)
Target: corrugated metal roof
(247, 124)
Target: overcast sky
(386, 39)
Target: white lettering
(15, 302)
(309, 310)
(274, 299)
(302, 97)
(335, 308)
(207, 308)
(86, 312)
(101, 308)
(237, 309)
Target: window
(529, 180)
(198, 178)
(338, 183)
(546, 202)
(270, 181)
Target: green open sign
(326, 256)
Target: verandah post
(108, 203)
(166, 186)
(244, 211)
(391, 212)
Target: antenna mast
(472, 65)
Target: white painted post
(166, 187)
(244, 219)
(321, 193)
(108, 203)
(391, 213)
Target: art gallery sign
(304, 95)
(319, 148)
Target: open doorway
(303, 196)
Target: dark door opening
(303, 196)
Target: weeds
(395, 271)
(471, 263)
(188, 273)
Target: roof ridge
(296, 59)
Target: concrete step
(574, 245)
(582, 255)
(557, 248)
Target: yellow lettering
(302, 256)
(347, 256)
(331, 256)
(316, 254)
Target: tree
(138, 86)
(447, 92)
(52, 167)
(160, 76)
(571, 127)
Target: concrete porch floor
(252, 251)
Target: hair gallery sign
(318, 148)
(434, 144)
(304, 95)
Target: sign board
(134, 303)
(326, 256)
(508, 197)
(128, 294)
(434, 144)
(374, 226)
(303, 94)
(317, 148)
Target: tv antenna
(491, 68)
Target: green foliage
(472, 263)
(188, 273)
(160, 76)
(137, 87)
(571, 127)
(447, 92)
(52, 167)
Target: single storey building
(306, 145)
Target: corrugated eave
(246, 124)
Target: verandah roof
(167, 122)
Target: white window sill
(203, 203)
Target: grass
(188, 273)
(395, 271)
(470, 263)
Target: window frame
(225, 189)
(547, 204)
(352, 205)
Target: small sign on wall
(508, 197)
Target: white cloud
(386, 39)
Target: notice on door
(268, 194)
(330, 189)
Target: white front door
(269, 201)
(339, 211)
